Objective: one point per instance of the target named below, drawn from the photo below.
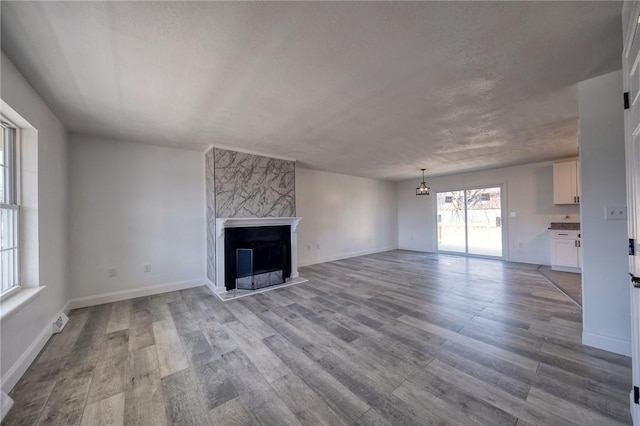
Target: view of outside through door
(470, 221)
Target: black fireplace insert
(255, 251)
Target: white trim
(116, 296)
(7, 294)
(226, 222)
(5, 405)
(66, 308)
(13, 304)
(635, 409)
(11, 115)
(212, 287)
(244, 222)
(566, 269)
(21, 366)
(248, 151)
(414, 248)
(348, 255)
(608, 343)
(225, 296)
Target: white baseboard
(213, 288)
(116, 296)
(20, 367)
(66, 308)
(302, 262)
(232, 294)
(635, 409)
(608, 343)
(5, 404)
(566, 269)
(414, 248)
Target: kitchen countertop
(565, 226)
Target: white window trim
(12, 305)
(10, 292)
(27, 135)
(17, 195)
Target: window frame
(11, 172)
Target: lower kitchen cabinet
(566, 251)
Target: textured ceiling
(367, 89)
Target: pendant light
(423, 189)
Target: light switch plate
(615, 213)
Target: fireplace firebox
(260, 266)
(257, 256)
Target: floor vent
(59, 323)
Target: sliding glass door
(452, 222)
(470, 221)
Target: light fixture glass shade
(423, 189)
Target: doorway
(470, 221)
(630, 58)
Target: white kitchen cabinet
(566, 251)
(566, 183)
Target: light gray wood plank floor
(394, 338)
(570, 283)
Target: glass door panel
(470, 221)
(451, 222)
(484, 222)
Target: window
(9, 212)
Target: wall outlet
(512, 214)
(147, 267)
(615, 213)
(112, 272)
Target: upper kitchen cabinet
(566, 183)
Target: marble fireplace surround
(225, 222)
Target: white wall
(343, 216)
(529, 193)
(133, 204)
(605, 292)
(32, 324)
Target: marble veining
(241, 185)
(248, 185)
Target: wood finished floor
(395, 338)
(569, 282)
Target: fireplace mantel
(227, 222)
(240, 222)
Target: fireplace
(257, 256)
(261, 266)
(252, 253)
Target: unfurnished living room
(319, 213)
